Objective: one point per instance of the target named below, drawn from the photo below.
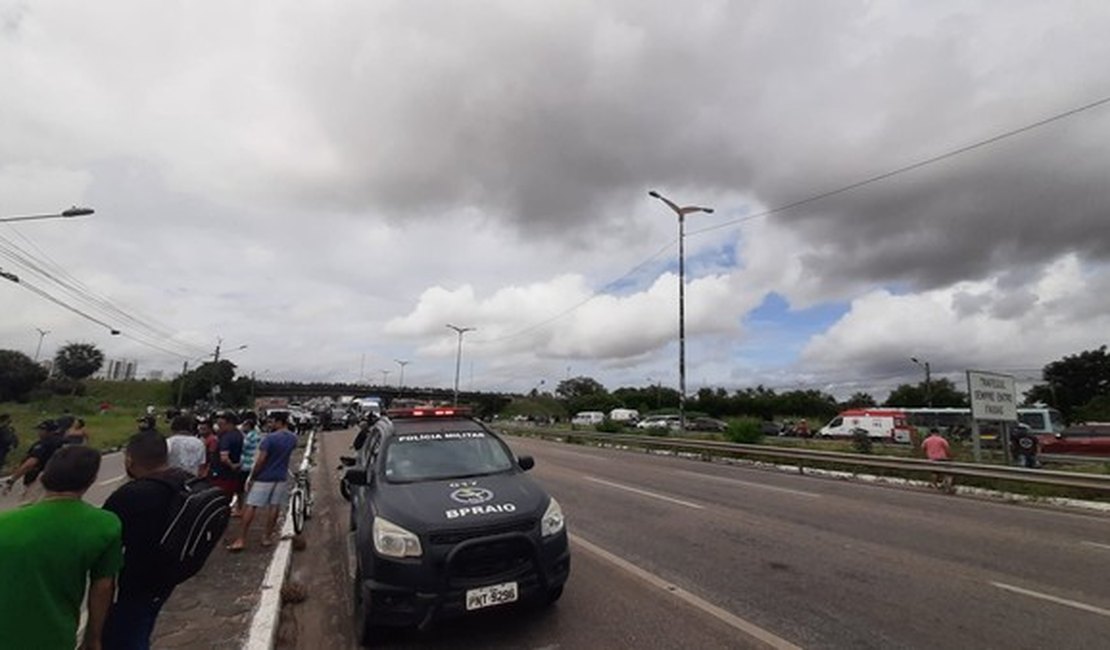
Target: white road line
(752, 630)
(1053, 599)
(761, 486)
(112, 480)
(654, 495)
(1096, 545)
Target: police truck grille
(498, 558)
(456, 536)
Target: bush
(19, 375)
(610, 426)
(861, 441)
(745, 431)
(63, 386)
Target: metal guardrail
(1096, 482)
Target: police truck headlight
(553, 520)
(391, 540)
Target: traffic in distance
(444, 522)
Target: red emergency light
(430, 412)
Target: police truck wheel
(554, 595)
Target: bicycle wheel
(307, 487)
(298, 511)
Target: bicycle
(301, 499)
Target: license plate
(490, 596)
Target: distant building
(119, 370)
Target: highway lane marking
(732, 620)
(646, 493)
(112, 480)
(1096, 545)
(775, 488)
(1053, 599)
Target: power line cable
(151, 324)
(144, 333)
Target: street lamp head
(115, 332)
(77, 212)
(653, 194)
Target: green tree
(215, 382)
(1073, 382)
(579, 387)
(19, 375)
(78, 360)
(941, 392)
(860, 401)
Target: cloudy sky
(330, 184)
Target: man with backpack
(155, 559)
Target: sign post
(992, 398)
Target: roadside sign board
(992, 396)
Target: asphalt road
(670, 552)
(112, 475)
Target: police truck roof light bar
(430, 411)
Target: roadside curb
(262, 632)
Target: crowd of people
(57, 543)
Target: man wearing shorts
(267, 485)
(937, 450)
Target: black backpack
(199, 515)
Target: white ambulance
(879, 423)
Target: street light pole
(681, 212)
(64, 214)
(401, 380)
(42, 335)
(458, 355)
(928, 380)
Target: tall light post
(928, 380)
(681, 212)
(42, 335)
(385, 376)
(64, 214)
(401, 380)
(458, 355)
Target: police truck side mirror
(356, 477)
(526, 462)
(347, 461)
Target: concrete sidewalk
(213, 609)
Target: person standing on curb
(268, 483)
(937, 450)
(185, 449)
(143, 506)
(49, 551)
(37, 456)
(252, 438)
(224, 472)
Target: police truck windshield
(444, 455)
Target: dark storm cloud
(557, 120)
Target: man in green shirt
(49, 550)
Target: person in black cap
(49, 441)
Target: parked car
(588, 418)
(707, 424)
(658, 422)
(1091, 439)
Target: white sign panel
(992, 396)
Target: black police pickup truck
(445, 522)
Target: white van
(624, 415)
(588, 418)
(880, 424)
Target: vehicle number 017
(505, 592)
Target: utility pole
(681, 212)
(928, 380)
(458, 355)
(181, 383)
(219, 342)
(42, 335)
